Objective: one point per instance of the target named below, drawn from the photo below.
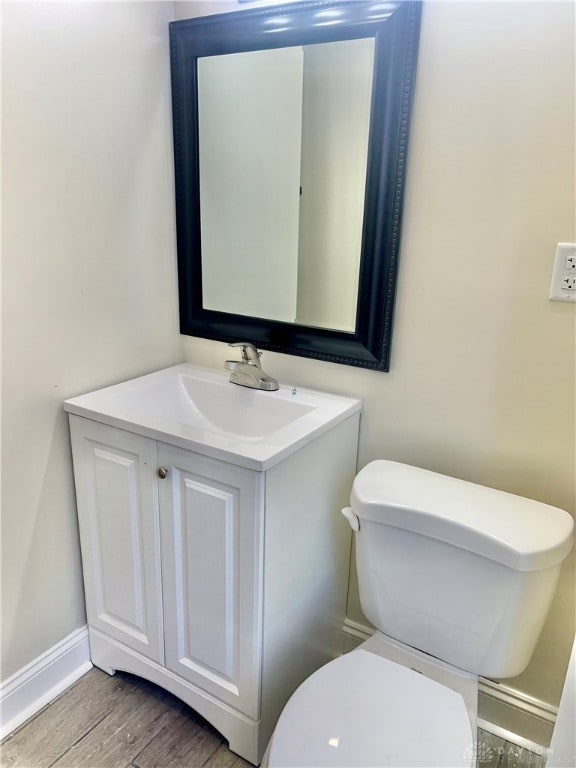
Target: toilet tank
(459, 571)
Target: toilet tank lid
(520, 533)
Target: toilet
(457, 579)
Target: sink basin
(199, 409)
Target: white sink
(199, 409)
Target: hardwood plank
(514, 756)
(183, 743)
(495, 752)
(133, 721)
(224, 758)
(488, 750)
(43, 739)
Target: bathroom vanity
(215, 559)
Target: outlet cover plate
(563, 286)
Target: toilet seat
(364, 710)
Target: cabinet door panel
(118, 516)
(211, 554)
(208, 523)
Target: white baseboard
(514, 715)
(503, 710)
(36, 684)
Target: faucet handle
(249, 351)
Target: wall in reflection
(283, 150)
(250, 125)
(336, 118)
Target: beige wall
(88, 271)
(482, 379)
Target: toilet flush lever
(352, 518)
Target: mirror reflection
(283, 148)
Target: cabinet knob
(162, 472)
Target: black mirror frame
(395, 27)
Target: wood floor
(494, 752)
(126, 722)
(117, 722)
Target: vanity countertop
(200, 410)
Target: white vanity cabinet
(171, 565)
(222, 583)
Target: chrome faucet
(248, 371)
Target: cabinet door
(117, 501)
(211, 555)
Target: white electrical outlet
(563, 286)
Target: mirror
(290, 133)
(284, 132)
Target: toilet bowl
(458, 579)
(366, 709)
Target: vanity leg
(99, 658)
(108, 670)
